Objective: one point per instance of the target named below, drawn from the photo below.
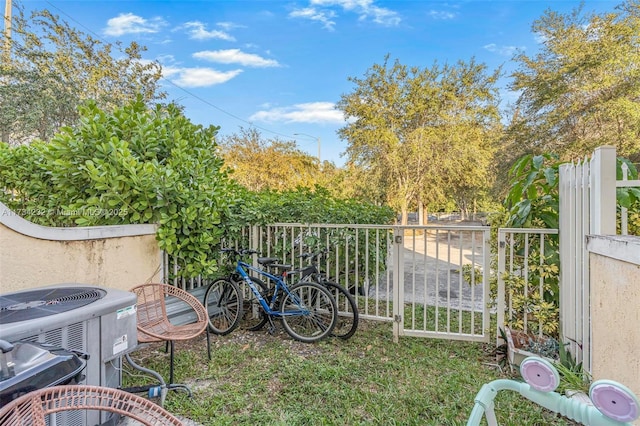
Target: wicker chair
(35, 407)
(154, 324)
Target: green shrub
(135, 165)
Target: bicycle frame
(310, 272)
(281, 285)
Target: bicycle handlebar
(239, 252)
(313, 257)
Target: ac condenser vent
(40, 303)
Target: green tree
(53, 68)
(352, 182)
(582, 89)
(421, 134)
(259, 164)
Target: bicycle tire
(322, 312)
(253, 315)
(223, 302)
(348, 315)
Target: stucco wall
(110, 256)
(615, 308)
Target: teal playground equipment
(612, 404)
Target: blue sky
(280, 66)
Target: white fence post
(501, 297)
(398, 283)
(603, 191)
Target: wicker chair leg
(208, 344)
(171, 345)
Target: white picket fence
(587, 206)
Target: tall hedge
(135, 165)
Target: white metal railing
(525, 276)
(357, 257)
(429, 280)
(625, 183)
(370, 260)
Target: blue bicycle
(308, 310)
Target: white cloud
(442, 14)
(228, 26)
(320, 10)
(128, 23)
(198, 31)
(324, 17)
(503, 50)
(236, 56)
(312, 112)
(383, 16)
(198, 77)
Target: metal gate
(441, 289)
(429, 281)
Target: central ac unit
(98, 321)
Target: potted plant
(521, 345)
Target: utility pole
(7, 30)
(6, 54)
(313, 137)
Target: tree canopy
(260, 164)
(582, 89)
(53, 68)
(422, 135)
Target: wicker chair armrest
(34, 407)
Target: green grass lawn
(258, 379)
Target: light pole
(314, 137)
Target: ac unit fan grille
(44, 302)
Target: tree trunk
(421, 213)
(404, 215)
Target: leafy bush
(136, 165)
(307, 205)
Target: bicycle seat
(267, 261)
(280, 266)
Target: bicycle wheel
(253, 316)
(320, 312)
(348, 315)
(223, 301)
